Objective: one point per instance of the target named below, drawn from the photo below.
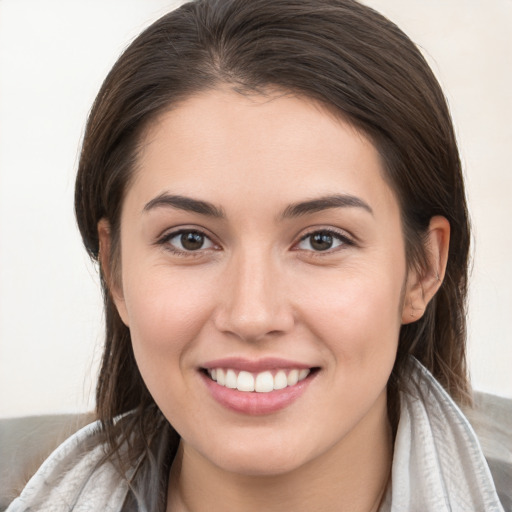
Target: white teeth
(303, 374)
(263, 382)
(293, 377)
(280, 380)
(245, 382)
(231, 380)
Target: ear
(110, 270)
(422, 284)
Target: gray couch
(26, 442)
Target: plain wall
(53, 58)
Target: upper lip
(255, 366)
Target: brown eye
(321, 241)
(192, 240)
(187, 241)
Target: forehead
(264, 147)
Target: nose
(253, 303)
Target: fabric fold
(438, 464)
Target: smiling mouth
(257, 387)
(262, 382)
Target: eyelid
(346, 239)
(164, 238)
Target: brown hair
(338, 52)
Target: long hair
(338, 52)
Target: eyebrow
(291, 211)
(184, 203)
(325, 203)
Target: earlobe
(110, 272)
(422, 284)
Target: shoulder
(75, 477)
(437, 453)
(491, 418)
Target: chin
(260, 459)
(268, 467)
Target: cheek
(166, 310)
(167, 313)
(357, 313)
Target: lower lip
(253, 403)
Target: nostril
(256, 325)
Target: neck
(351, 476)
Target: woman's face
(260, 244)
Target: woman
(274, 195)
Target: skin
(258, 288)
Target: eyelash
(165, 241)
(341, 237)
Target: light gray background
(53, 58)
